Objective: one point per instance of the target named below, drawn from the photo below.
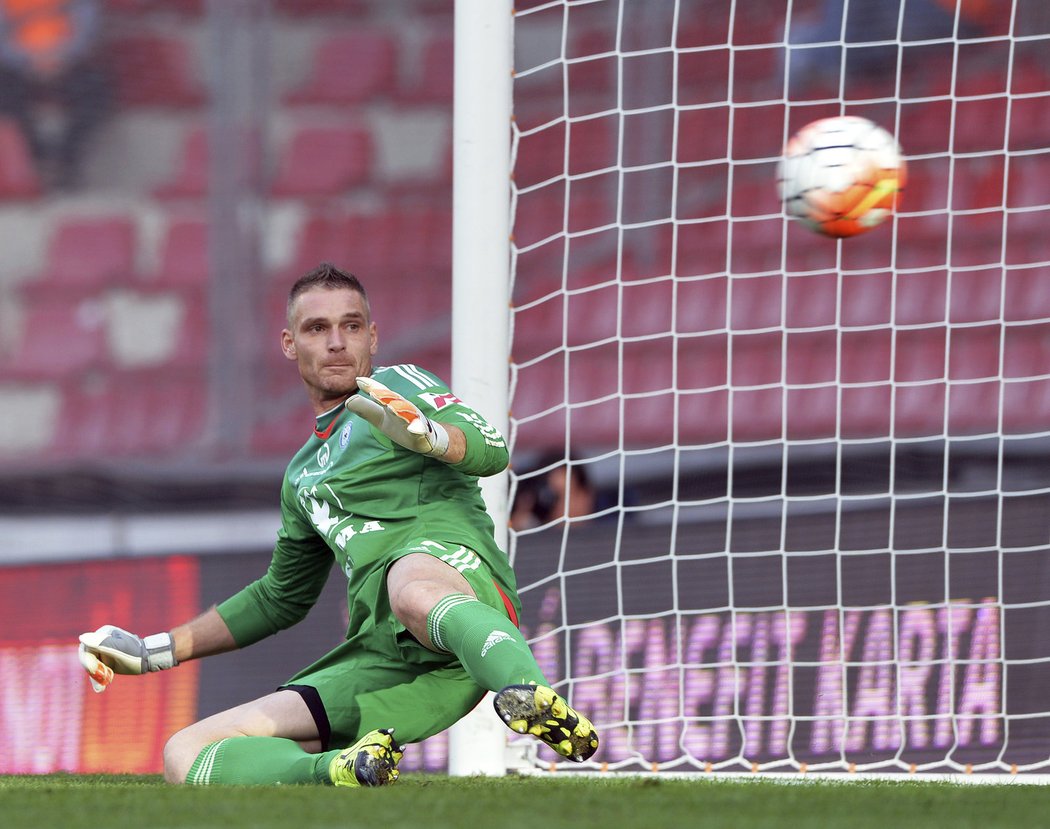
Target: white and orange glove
(399, 419)
(111, 650)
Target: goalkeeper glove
(125, 653)
(399, 419)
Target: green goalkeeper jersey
(352, 494)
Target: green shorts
(382, 677)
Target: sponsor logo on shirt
(439, 401)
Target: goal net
(782, 502)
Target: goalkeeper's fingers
(127, 653)
(101, 675)
(404, 409)
(398, 418)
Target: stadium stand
(154, 69)
(324, 161)
(86, 255)
(339, 181)
(348, 68)
(18, 176)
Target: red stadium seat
(85, 255)
(348, 68)
(18, 176)
(312, 8)
(321, 238)
(433, 82)
(324, 161)
(134, 413)
(60, 339)
(154, 70)
(189, 179)
(1027, 294)
(184, 254)
(186, 7)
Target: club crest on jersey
(439, 401)
(344, 436)
(324, 454)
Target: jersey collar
(326, 422)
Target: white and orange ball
(841, 176)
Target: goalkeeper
(386, 486)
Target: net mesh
(780, 501)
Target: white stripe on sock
(438, 614)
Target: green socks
(491, 648)
(492, 651)
(259, 760)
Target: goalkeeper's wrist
(439, 440)
(160, 650)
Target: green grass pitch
(436, 802)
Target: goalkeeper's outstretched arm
(482, 453)
(111, 650)
(206, 635)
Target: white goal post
(810, 480)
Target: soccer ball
(841, 176)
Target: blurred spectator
(564, 491)
(860, 25)
(51, 80)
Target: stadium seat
(1026, 406)
(133, 413)
(756, 359)
(811, 300)
(973, 408)
(373, 240)
(1026, 351)
(973, 353)
(189, 178)
(919, 410)
(154, 70)
(322, 237)
(190, 8)
(703, 134)
(867, 299)
(756, 303)
(18, 175)
(758, 132)
(864, 357)
(184, 255)
(280, 434)
(920, 355)
(865, 411)
(324, 161)
(537, 329)
(192, 342)
(702, 304)
(980, 124)
(703, 362)
(1027, 294)
(976, 295)
(87, 254)
(811, 357)
(433, 81)
(60, 339)
(312, 8)
(348, 68)
(593, 316)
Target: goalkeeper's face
(332, 340)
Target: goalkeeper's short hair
(326, 275)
